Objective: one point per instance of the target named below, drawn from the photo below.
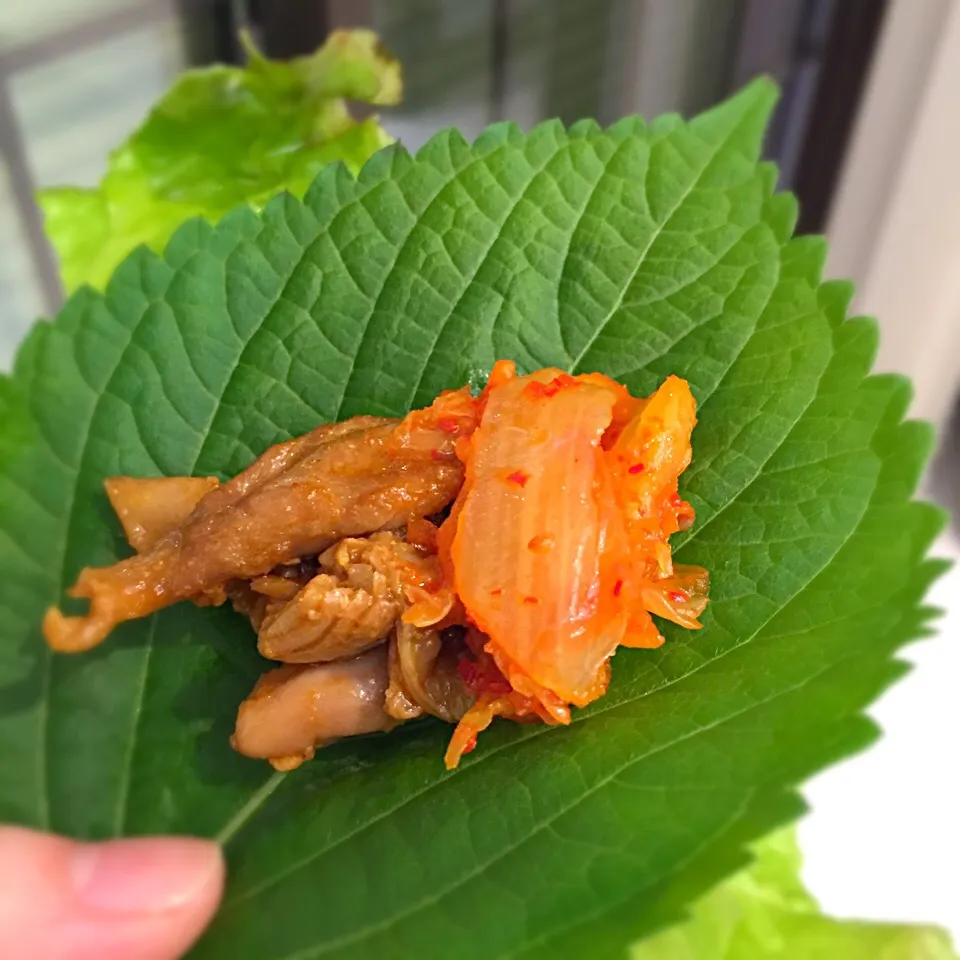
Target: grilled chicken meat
(150, 508)
(297, 708)
(300, 497)
(348, 607)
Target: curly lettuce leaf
(637, 251)
(220, 137)
(765, 913)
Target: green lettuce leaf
(640, 250)
(765, 913)
(220, 137)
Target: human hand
(140, 899)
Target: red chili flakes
(541, 543)
(678, 596)
(449, 424)
(438, 455)
(469, 673)
(519, 477)
(617, 587)
(470, 745)
(483, 677)
(536, 390)
(496, 593)
(530, 600)
(636, 468)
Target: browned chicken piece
(422, 667)
(351, 605)
(297, 499)
(297, 708)
(150, 508)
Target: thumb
(141, 899)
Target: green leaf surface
(222, 136)
(765, 913)
(637, 251)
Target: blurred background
(867, 135)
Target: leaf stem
(239, 819)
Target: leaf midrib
(576, 226)
(402, 247)
(123, 794)
(482, 261)
(684, 196)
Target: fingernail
(149, 875)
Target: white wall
(895, 227)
